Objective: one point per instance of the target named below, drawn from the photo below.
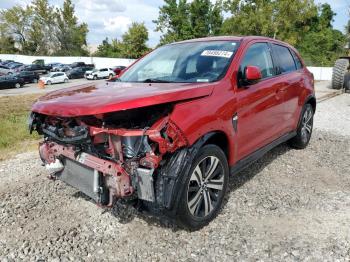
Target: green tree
(287, 20)
(323, 44)
(216, 19)
(106, 49)
(179, 20)
(39, 29)
(200, 17)
(299, 22)
(15, 24)
(134, 41)
(7, 43)
(347, 32)
(71, 35)
(41, 33)
(173, 21)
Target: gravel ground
(291, 205)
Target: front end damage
(109, 156)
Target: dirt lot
(291, 205)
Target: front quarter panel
(213, 113)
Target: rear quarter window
(297, 60)
(284, 59)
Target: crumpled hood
(93, 99)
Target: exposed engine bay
(112, 155)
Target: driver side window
(259, 55)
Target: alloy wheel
(306, 124)
(205, 187)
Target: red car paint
(266, 110)
(114, 96)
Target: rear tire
(35, 81)
(304, 131)
(66, 80)
(18, 85)
(204, 188)
(340, 68)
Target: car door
(290, 73)
(54, 78)
(60, 78)
(259, 105)
(103, 73)
(2, 82)
(26, 76)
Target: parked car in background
(5, 62)
(11, 81)
(56, 68)
(21, 68)
(41, 62)
(28, 76)
(99, 73)
(81, 64)
(65, 68)
(35, 68)
(54, 78)
(52, 65)
(118, 69)
(78, 72)
(4, 70)
(14, 67)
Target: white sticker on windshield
(217, 53)
(203, 80)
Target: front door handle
(282, 90)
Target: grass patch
(14, 134)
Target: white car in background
(99, 73)
(54, 78)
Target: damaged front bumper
(116, 171)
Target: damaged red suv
(170, 130)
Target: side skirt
(248, 160)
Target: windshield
(184, 62)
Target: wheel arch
(218, 138)
(311, 100)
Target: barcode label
(217, 53)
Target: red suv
(167, 134)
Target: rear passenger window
(259, 55)
(285, 61)
(298, 63)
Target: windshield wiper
(155, 80)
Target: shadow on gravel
(126, 213)
(239, 179)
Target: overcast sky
(111, 18)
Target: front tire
(304, 131)
(49, 82)
(204, 188)
(95, 77)
(18, 85)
